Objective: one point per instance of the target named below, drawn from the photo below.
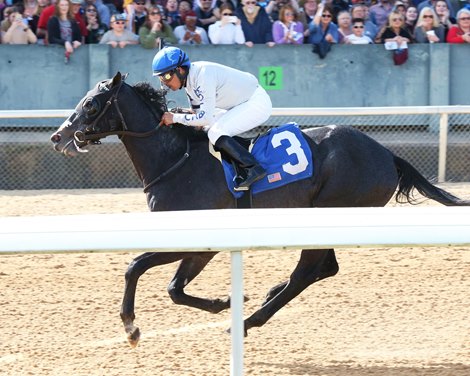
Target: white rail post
(236, 306)
(443, 131)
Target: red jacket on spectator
(455, 35)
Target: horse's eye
(91, 107)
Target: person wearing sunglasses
(155, 30)
(428, 29)
(96, 28)
(228, 30)
(119, 36)
(358, 33)
(322, 26)
(224, 101)
(460, 33)
(136, 15)
(288, 29)
(395, 32)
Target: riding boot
(253, 170)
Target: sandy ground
(389, 312)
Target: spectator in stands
(411, 17)
(273, 8)
(460, 33)
(445, 19)
(306, 15)
(31, 13)
(206, 13)
(119, 36)
(189, 33)
(256, 25)
(358, 36)
(136, 15)
(173, 17)
(399, 7)
(428, 29)
(62, 28)
(362, 12)
(322, 25)
(288, 30)
(344, 25)
(229, 29)
(395, 31)
(155, 32)
(96, 29)
(184, 7)
(103, 11)
(19, 31)
(46, 14)
(379, 13)
(76, 6)
(432, 4)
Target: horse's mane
(155, 98)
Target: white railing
(442, 111)
(236, 230)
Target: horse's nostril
(55, 138)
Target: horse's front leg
(313, 266)
(136, 268)
(188, 269)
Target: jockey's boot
(253, 170)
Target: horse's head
(100, 113)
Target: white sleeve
(205, 114)
(214, 33)
(239, 35)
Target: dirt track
(389, 312)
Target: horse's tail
(409, 178)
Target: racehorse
(179, 173)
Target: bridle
(91, 135)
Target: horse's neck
(154, 155)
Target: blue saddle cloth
(285, 155)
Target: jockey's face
(171, 80)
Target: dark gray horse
(179, 173)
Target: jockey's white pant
(248, 115)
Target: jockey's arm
(202, 94)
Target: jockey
(224, 101)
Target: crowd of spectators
(152, 23)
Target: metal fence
(436, 140)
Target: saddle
(282, 151)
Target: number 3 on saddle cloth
(285, 155)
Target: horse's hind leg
(313, 266)
(188, 269)
(136, 268)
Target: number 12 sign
(270, 78)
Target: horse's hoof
(133, 337)
(229, 331)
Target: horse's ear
(116, 79)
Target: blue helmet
(168, 59)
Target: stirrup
(254, 174)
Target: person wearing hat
(119, 36)
(189, 33)
(224, 101)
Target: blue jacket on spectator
(258, 32)
(316, 32)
